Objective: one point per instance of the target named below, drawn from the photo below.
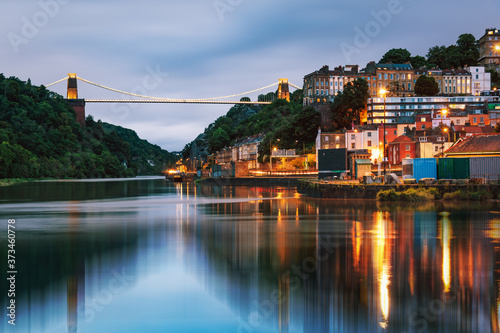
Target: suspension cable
(48, 85)
(119, 91)
(295, 86)
(235, 95)
(163, 98)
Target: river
(146, 255)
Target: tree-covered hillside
(294, 126)
(39, 137)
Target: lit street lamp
(383, 92)
(445, 130)
(271, 154)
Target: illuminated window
(407, 147)
(369, 143)
(327, 138)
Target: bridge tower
(283, 90)
(72, 98)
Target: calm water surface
(145, 255)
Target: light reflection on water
(149, 256)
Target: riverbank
(350, 190)
(13, 181)
(321, 189)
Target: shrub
(457, 195)
(410, 195)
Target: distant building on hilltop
(489, 49)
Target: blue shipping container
(424, 168)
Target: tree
(418, 62)
(396, 56)
(426, 86)
(218, 140)
(468, 49)
(495, 78)
(245, 99)
(349, 106)
(464, 53)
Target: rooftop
(477, 143)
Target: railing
(283, 173)
(485, 179)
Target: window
(481, 119)
(435, 148)
(477, 77)
(353, 145)
(407, 155)
(422, 119)
(369, 134)
(458, 121)
(409, 86)
(353, 136)
(327, 138)
(422, 127)
(380, 76)
(337, 138)
(474, 120)
(369, 143)
(337, 146)
(395, 132)
(407, 147)
(385, 76)
(392, 76)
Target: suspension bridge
(72, 94)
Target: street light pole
(443, 114)
(384, 92)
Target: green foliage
(396, 56)
(480, 195)
(426, 86)
(409, 195)
(350, 105)
(219, 139)
(495, 78)
(418, 62)
(40, 138)
(464, 53)
(140, 156)
(295, 126)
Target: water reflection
(156, 257)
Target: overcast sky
(209, 48)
